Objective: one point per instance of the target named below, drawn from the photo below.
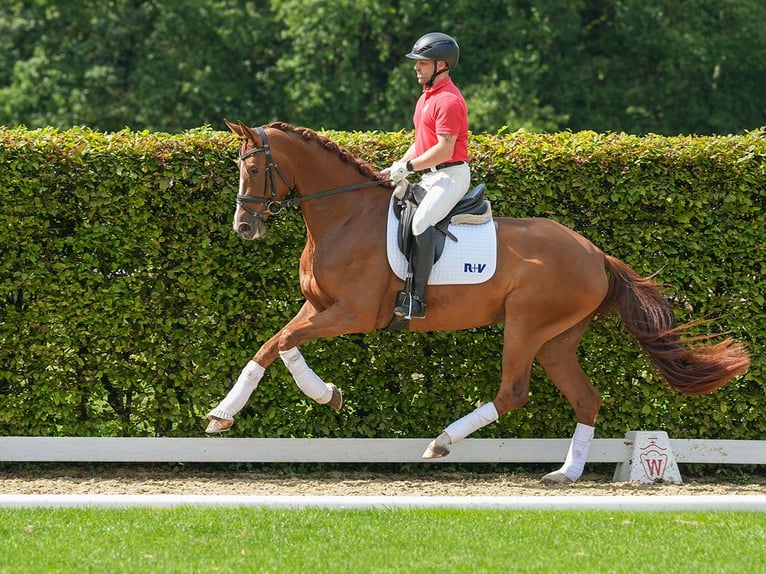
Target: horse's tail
(648, 315)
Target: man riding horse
(548, 284)
(440, 153)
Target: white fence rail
(340, 450)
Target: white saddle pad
(473, 259)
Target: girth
(473, 203)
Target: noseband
(273, 205)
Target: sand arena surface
(202, 480)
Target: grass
(196, 540)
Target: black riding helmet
(436, 46)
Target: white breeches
(445, 188)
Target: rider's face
(424, 69)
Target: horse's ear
(234, 127)
(246, 132)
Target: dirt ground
(198, 480)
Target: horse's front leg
(308, 324)
(309, 382)
(221, 418)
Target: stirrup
(411, 308)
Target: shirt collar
(430, 90)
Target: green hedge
(128, 306)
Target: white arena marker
(651, 459)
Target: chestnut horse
(548, 285)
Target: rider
(440, 153)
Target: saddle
(473, 208)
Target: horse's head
(261, 183)
(266, 187)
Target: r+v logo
(474, 267)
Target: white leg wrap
(471, 422)
(578, 452)
(306, 379)
(239, 394)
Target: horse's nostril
(243, 227)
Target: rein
(273, 205)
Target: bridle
(273, 205)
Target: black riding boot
(414, 306)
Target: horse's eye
(253, 171)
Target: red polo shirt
(441, 109)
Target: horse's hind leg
(559, 359)
(518, 353)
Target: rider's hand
(398, 171)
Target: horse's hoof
(437, 449)
(336, 401)
(217, 425)
(556, 478)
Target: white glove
(397, 172)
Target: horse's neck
(354, 211)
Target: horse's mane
(308, 134)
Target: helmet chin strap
(430, 82)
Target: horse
(549, 284)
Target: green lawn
(243, 540)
